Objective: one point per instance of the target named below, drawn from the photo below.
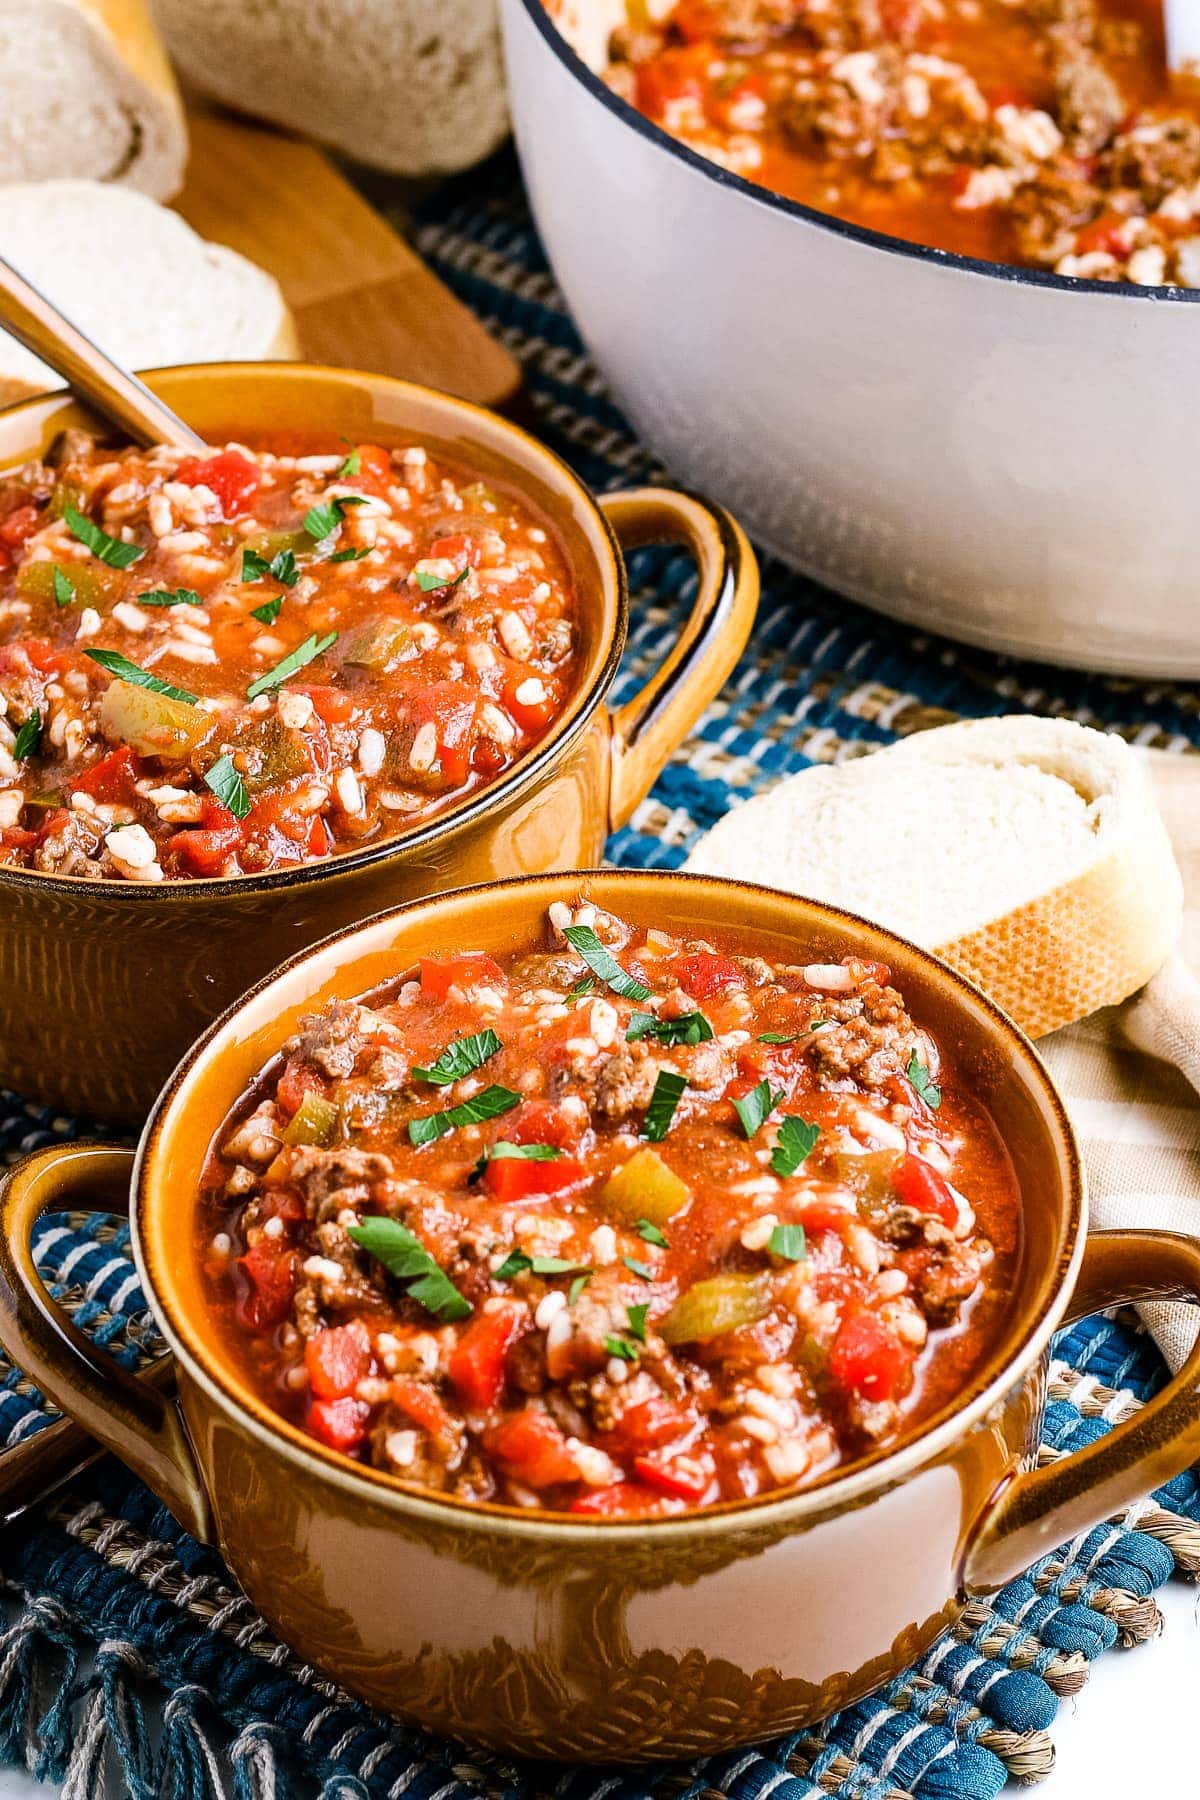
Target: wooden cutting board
(360, 296)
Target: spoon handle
(29, 317)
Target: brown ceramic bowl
(104, 984)
(552, 1636)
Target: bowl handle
(1033, 1513)
(128, 1414)
(647, 728)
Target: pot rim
(560, 46)
(458, 816)
(835, 1492)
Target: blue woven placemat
(108, 1605)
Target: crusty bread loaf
(1028, 852)
(415, 87)
(136, 279)
(88, 92)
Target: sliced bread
(88, 92)
(136, 279)
(415, 87)
(1026, 851)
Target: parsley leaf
(322, 521)
(350, 555)
(120, 666)
(668, 1090)
(282, 567)
(506, 1152)
(577, 1286)
(584, 985)
(787, 1037)
(429, 584)
(224, 781)
(517, 1263)
(925, 1089)
(757, 1106)
(64, 591)
(29, 736)
(650, 1234)
(169, 597)
(637, 1321)
(110, 550)
(584, 940)
(296, 659)
(460, 1058)
(641, 1269)
(692, 1028)
(488, 1105)
(405, 1257)
(788, 1242)
(622, 1348)
(269, 611)
(351, 466)
(795, 1140)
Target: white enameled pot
(1003, 456)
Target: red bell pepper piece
(529, 714)
(919, 1185)
(476, 1365)
(204, 850)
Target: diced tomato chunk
(648, 1425)
(337, 1360)
(683, 1480)
(340, 1424)
(821, 1215)
(282, 1203)
(318, 842)
(270, 1274)
(420, 1404)
(297, 1080)
(1109, 232)
(111, 779)
(13, 838)
(450, 707)
(624, 1500)
(542, 1122)
(440, 973)
(702, 974)
(926, 1190)
(533, 1449)
(461, 550)
(516, 1178)
(476, 1365)
(205, 849)
(21, 523)
(375, 472)
(231, 477)
(532, 712)
(331, 704)
(869, 1360)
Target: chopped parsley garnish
(429, 584)
(169, 597)
(692, 1028)
(351, 466)
(517, 1263)
(668, 1090)
(641, 1269)
(577, 1286)
(925, 1088)
(788, 1242)
(282, 567)
(584, 985)
(488, 1105)
(64, 591)
(506, 1152)
(269, 611)
(637, 1321)
(405, 1257)
(787, 1037)
(757, 1106)
(602, 963)
(119, 665)
(461, 1058)
(621, 1348)
(296, 659)
(110, 550)
(224, 781)
(650, 1234)
(351, 555)
(322, 521)
(795, 1140)
(29, 736)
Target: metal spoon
(92, 376)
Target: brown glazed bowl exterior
(605, 1640)
(104, 984)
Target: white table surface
(1134, 1730)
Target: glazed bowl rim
(832, 1493)
(870, 239)
(459, 815)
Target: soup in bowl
(595, 1388)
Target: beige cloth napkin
(1137, 1116)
